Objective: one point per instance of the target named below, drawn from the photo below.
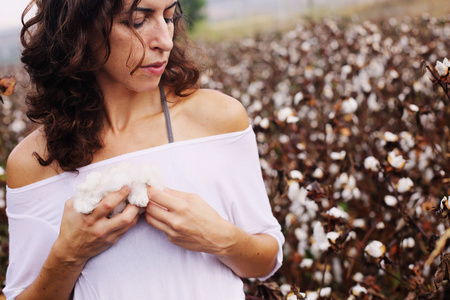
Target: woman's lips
(154, 69)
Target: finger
(158, 212)
(127, 217)
(110, 202)
(178, 194)
(157, 223)
(162, 198)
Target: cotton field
(353, 126)
(354, 145)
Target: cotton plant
(99, 184)
(442, 77)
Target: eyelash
(139, 25)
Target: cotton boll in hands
(99, 184)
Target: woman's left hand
(188, 221)
(191, 223)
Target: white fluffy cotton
(99, 184)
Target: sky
(11, 12)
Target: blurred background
(218, 19)
(353, 129)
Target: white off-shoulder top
(223, 169)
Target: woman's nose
(162, 36)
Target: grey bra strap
(166, 113)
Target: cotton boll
(359, 223)
(338, 155)
(356, 193)
(284, 139)
(442, 68)
(358, 290)
(413, 107)
(306, 263)
(292, 119)
(372, 164)
(349, 106)
(285, 288)
(390, 200)
(138, 195)
(404, 185)
(147, 174)
(408, 243)
(284, 113)
(325, 292)
(396, 161)
(115, 178)
(298, 98)
(292, 297)
(375, 249)
(346, 194)
(300, 234)
(337, 213)
(332, 236)
(265, 123)
(327, 277)
(351, 236)
(311, 295)
(358, 277)
(407, 141)
(297, 193)
(296, 174)
(334, 168)
(99, 184)
(318, 173)
(390, 137)
(85, 203)
(320, 239)
(91, 182)
(18, 125)
(380, 225)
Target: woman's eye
(138, 24)
(168, 20)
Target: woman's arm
(191, 223)
(250, 256)
(81, 237)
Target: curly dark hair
(66, 99)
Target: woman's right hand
(81, 237)
(84, 236)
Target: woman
(113, 84)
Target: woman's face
(153, 21)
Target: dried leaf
(440, 244)
(7, 85)
(269, 290)
(411, 296)
(442, 272)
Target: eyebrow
(145, 9)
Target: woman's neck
(124, 108)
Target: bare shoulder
(216, 112)
(22, 167)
